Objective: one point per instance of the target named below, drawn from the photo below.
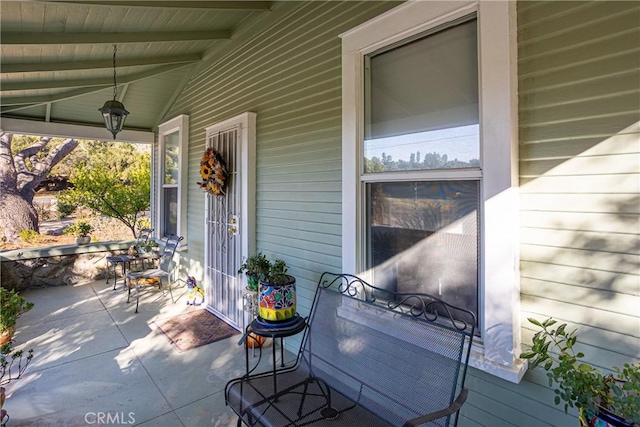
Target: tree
(112, 186)
(20, 174)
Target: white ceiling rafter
(22, 102)
(74, 130)
(78, 83)
(98, 64)
(123, 92)
(172, 4)
(20, 38)
(52, 71)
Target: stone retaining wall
(56, 266)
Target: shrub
(143, 222)
(8, 358)
(43, 210)
(12, 306)
(79, 229)
(65, 207)
(29, 236)
(578, 383)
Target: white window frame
(499, 275)
(181, 125)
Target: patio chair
(164, 271)
(123, 259)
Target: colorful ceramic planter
(277, 303)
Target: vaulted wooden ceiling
(57, 55)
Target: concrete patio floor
(93, 355)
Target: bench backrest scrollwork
(398, 355)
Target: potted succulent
(81, 230)
(254, 267)
(599, 398)
(277, 298)
(12, 306)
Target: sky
(459, 142)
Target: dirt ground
(105, 229)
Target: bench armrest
(453, 408)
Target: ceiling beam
(168, 4)
(21, 102)
(97, 64)
(83, 83)
(76, 130)
(19, 38)
(176, 93)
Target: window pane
(171, 151)
(423, 237)
(422, 103)
(170, 214)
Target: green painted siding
(579, 112)
(579, 107)
(285, 66)
(579, 168)
(579, 74)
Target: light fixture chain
(115, 87)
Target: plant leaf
(534, 321)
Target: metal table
(126, 261)
(274, 330)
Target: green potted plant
(148, 247)
(81, 230)
(12, 306)
(277, 297)
(254, 267)
(613, 399)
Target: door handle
(232, 226)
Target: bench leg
(115, 275)
(124, 273)
(137, 294)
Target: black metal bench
(368, 357)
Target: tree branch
(28, 182)
(7, 167)
(109, 206)
(29, 152)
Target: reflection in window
(423, 237)
(170, 214)
(422, 108)
(171, 152)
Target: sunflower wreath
(214, 173)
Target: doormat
(194, 329)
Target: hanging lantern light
(113, 112)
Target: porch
(93, 355)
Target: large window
(171, 181)
(171, 177)
(429, 160)
(421, 104)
